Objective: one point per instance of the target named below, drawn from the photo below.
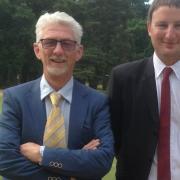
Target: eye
(49, 42)
(162, 25)
(68, 44)
(177, 26)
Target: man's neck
(57, 82)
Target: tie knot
(55, 98)
(167, 71)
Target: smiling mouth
(169, 43)
(57, 60)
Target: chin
(56, 71)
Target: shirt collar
(176, 69)
(65, 91)
(159, 66)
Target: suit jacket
(23, 120)
(135, 118)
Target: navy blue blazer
(23, 120)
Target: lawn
(109, 176)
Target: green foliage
(114, 33)
(140, 43)
(16, 41)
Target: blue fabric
(23, 120)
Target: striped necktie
(54, 134)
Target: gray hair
(158, 3)
(58, 18)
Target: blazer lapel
(78, 113)
(38, 112)
(149, 84)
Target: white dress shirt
(175, 117)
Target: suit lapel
(37, 109)
(150, 91)
(78, 113)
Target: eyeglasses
(67, 45)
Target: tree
(110, 36)
(107, 38)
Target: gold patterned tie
(54, 135)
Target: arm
(114, 93)
(84, 163)
(32, 150)
(13, 164)
(92, 161)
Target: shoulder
(132, 66)
(23, 88)
(88, 91)
(132, 69)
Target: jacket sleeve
(56, 162)
(12, 163)
(82, 163)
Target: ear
(37, 50)
(149, 28)
(79, 52)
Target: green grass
(109, 176)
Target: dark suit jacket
(135, 118)
(23, 120)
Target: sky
(150, 1)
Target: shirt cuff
(41, 150)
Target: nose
(170, 33)
(58, 49)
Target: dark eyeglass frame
(66, 44)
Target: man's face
(58, 60)
(164, 30)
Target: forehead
(58, 31)
(166, 13)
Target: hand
(31, 151)
(93, 144)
